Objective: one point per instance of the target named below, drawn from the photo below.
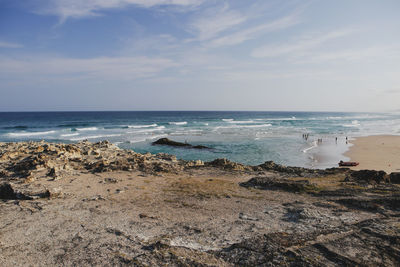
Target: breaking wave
(177, 123)
(27, 134)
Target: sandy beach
(377, 152)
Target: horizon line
(304, 111)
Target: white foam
(226, 120)
(354, 123)
(191, 132)
(137, 141)
(25, 134)
(87, 129)
(314, 145)
(93, 137)
(159, 128)
(72, 134)
(240, 122)
(177, 122)
(255, 126)
(142, 126)
(156, 136)
(243, 126)
(280, 119)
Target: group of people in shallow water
(319, 140)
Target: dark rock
(369, 176)
(395, 177)
(7, 192)
(201, 147)
(4, 173)
(52, 173)
(272, 183)
(272, 166)
(299, 171)
(110, 180)
(168, 142)
(371, 204)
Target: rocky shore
(88, 204)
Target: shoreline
(375, 152)
(367, 150)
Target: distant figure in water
(346, 140)
(336, 140)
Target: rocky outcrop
(299, 171)
(277, 183)
(7, 192)
(228, 165)
(363, 244)
(369, 176)
(35, 160)
(168, 142)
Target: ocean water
(246, 137)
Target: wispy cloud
(370, 53)
(299, 46)
(10, 45)
(255, 31)
(215, 21)
(85, 8)
(103, 68)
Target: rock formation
(168, 142)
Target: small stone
(245, 217)
(110, 180)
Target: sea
(245, 137)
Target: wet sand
(377, 152)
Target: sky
(294, 55)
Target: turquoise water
(247, 137)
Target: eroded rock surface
(89, 204)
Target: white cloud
(299, 46)
(213, 22)
(371, 53)
(255, 31)
(10, 45)
(85, 8)
(101, 68)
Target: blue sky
(200, 55)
